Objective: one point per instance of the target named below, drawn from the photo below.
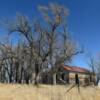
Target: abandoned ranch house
(68, 74)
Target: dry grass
(47, 92)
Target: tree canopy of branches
(47, 44)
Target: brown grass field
(47, 92)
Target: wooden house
(68, 74)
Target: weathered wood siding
(82, 77)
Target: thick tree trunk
(54, 79)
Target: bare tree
(94, 64)
(91, 62)
(98, 69)
(61, 49)
(44, 45)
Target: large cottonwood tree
(47, 44)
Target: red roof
(75, 69)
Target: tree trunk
(54, 79)
(97, 81)
(36, 79)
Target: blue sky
(83, 21)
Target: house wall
(83, 78)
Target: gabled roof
(75, 69)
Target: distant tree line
(43, 47)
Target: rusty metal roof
(75, 69)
